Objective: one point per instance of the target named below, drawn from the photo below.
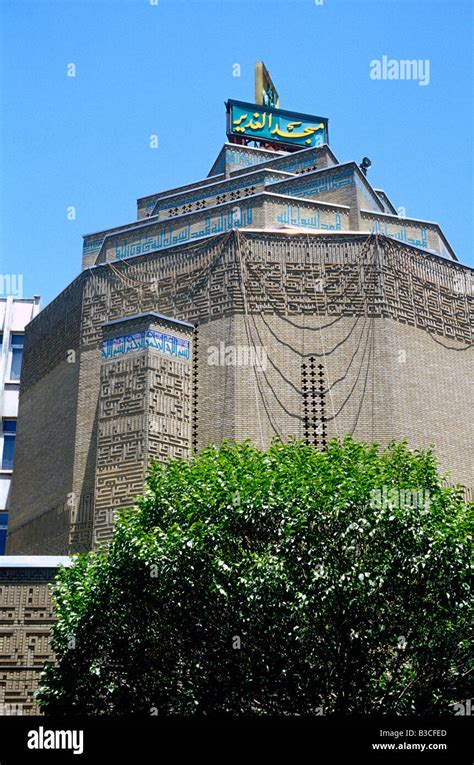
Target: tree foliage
(272, 582)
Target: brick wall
(391, 325)
(145, 409)
(25, 635)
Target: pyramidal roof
(276, 171)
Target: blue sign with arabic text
(259, 123)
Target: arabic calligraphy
(293, 216)
(328, 182)
(267, 124)
(140, 341)
(238, 158)
(400, 233)
(169, 236)
(91, 245)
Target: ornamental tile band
(140, 341)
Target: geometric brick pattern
(283, 273)
(314, 407)
(25, 636)
(169, 408)
(264, 280)
(144, 411)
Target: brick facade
(199, 322)
(391, 325)
(25, 631)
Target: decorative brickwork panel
(144, 411)
(227, 190)
(26, 617)
(192, 284)
(169, 409)
(82, 515)
(314, 403)
(146, 204)
(121, 441)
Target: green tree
(286, 581)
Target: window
(3, 532)
(9, 436)
(17, 356)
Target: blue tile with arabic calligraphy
(140, 341)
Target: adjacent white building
(15, 314)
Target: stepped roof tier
(253, 187)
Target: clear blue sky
(166, 69)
